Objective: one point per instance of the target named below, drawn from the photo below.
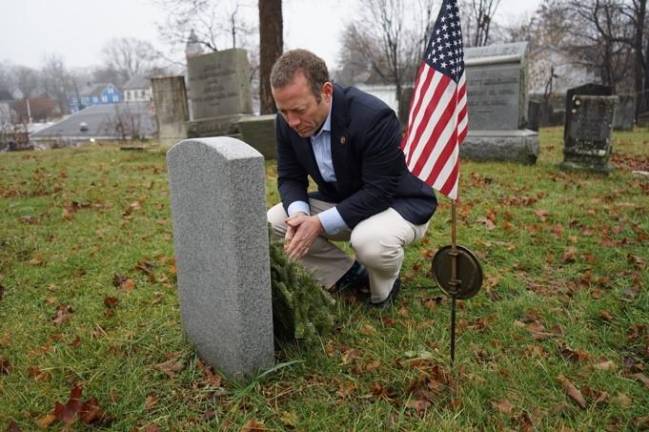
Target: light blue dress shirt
(330, 219)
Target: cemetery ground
(558, 339)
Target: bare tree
(57, 81)
(28, 81)
(478, 20)
(387, 40)
(271, 45)
(599, 38)
(216, 23)
(129, 57)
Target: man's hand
(301, 232)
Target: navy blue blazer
(371, 173)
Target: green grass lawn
(88, 298)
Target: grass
(88, 298)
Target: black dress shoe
(355, 279)
(389, 300)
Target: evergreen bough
(302, 311)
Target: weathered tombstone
(259, 132)
(219, 92)
(221, 247)
(624, 118)
(497, 97)
(587, 132)
(404, 104)
(170, 99)
(534, 110)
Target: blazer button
(343, 140)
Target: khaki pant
(378, 242)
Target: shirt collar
(326, 126)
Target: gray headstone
(497, 96)
(222, 257)
(219, 84)
(259, 132)
(624, 118)
(170, 99)
(587, 135)
(521, 146)
(497, 86)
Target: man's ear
(328, 89)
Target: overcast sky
(78, 29)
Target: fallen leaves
(642, 378)
(253, 426)
(172, 365)
(572, 391)
(88, 412)
(63, 314)
(503, 406)
(5, 366)
(122, 282)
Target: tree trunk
(271, 44)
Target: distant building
(5, 108)
(95, 94)
(193, 47)
(138, 89)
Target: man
(347, 141)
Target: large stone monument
(587, 133)
(221, 246)
(497, 98)
(170, 99)
(219, 92)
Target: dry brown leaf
(289, 419)
(372, 366)
(574, 355)
(367, 330)
(542, 214)
(349, 355)
(45, 422)
(504, 406)
(572, 391)
(151, 428)
(419, 405)
(253, 426)
(5, 366)
(172, 366)
(642, 378)
(569, 255)
(605, 315)
(38, 375)
(605, 365)
(150, 402)
(623, 400)
(63, 314)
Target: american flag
(438, 120)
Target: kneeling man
(347, 141)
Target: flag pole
(454, 282)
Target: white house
(138, 89)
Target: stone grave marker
(497, 96)
(259, 132)
(219, 92)
(624, 118)
(170, 99)
(221, 245)
(587, 133)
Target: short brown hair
(300, 60)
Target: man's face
(299, 107)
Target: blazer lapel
(339, 136)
